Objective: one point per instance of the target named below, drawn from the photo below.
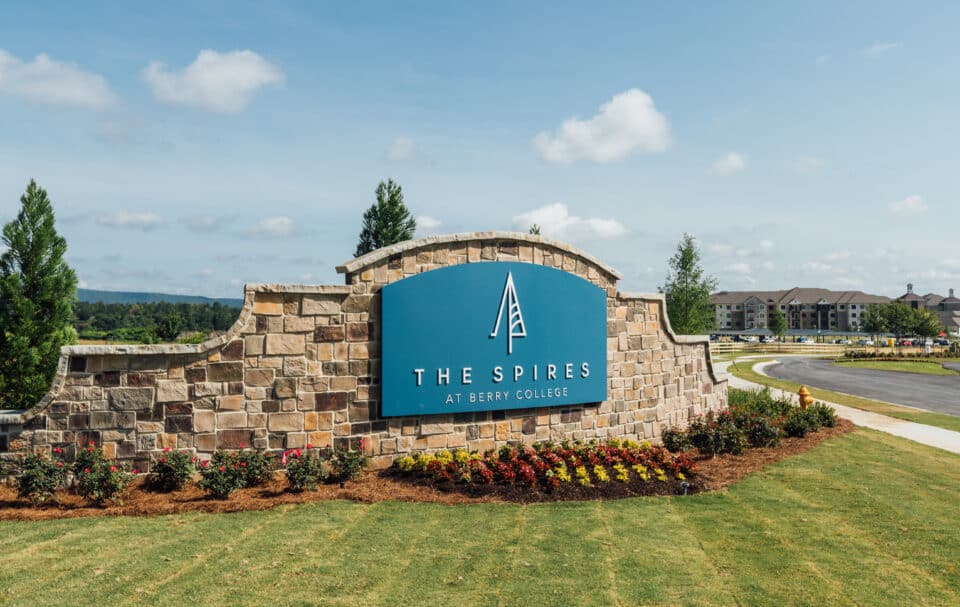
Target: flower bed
(551, 471)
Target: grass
(827, 527)
(744, 370)
(901, 366)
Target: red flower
(309, 446)
(57, 450)
(89, 448)
(223, 468)
(166, 449)
(136, 470)
(298, 453)
(59, 464)
(86, 470)
(163, 461)
(93, 444)
(240, 445)
(113, 468)
(243, 464)
(360, 444)
(204, 463)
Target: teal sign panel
(492, 335)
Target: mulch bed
(714, 473)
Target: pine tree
(37, 291)
(687, 291)
(386, 222)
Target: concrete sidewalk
(947, 440)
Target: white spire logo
(515, 317)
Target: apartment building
(804, 309)
(946, 308)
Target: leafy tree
(170, 325)
(900, 319)
(926, 323)
(778, 324)
(874, 321)
(687, 291)
(37, 292)
(386, 222)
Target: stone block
(280, 343)
(428, 428)
(171, 390)
(202, 389)
(285, 387)
(234, 439)
(232, 351)
(230, 403)
(130, 399)
(320, 305)
(298, 324)
(178, 423)
(137, 379)
(253, 345)
(195, 374)
(295, 366)
(329, 333)
(203, 421)
(268, 304)
(225, 371)
(332, 401)
(205, 443)
(356, 303)
(100, 420)
(359, 351)
(260, 377)
(358, 331)
(285, 422)
(232, 419)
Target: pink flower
(360, 444)
(309, 446)
(204, 463)
(223, 468)
(113, 468)
(136, 470)
(243, 464)
(240, 445)
(298, 453)
(166, 449)
(59, 464)
(86, 470)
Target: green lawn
(864, 519)
(744, 370)
(902, 366)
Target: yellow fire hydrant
(805, 398)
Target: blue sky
(194, 147)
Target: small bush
(745, 404)
(716, 434)
(306, 469)
(172, 470)
(675, 440)
(257, 467)
(222, 475)
(40, 476)
(101, 480)
(826, 416)
(762, 432)
(346, 464)
(800, 422)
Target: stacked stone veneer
(301, 365)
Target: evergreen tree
(534, 229)
(37, 292)
(687, 291)
(386, 222)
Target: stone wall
(301, 365)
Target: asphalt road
(939, 393)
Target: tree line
(150, 322)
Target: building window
(842, 307)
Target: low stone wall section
(301, 365)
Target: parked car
(940, 341)
(905, 342)
(767, 339)
(864, 342)
(842, 342)
(749, 338)
(805, 340)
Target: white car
(750, 338)
(864, 342)
(766, 339)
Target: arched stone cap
(374, 258)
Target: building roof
(803, 295)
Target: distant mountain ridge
(129, 297)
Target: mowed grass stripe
(655, 558)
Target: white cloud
(402, 148)
(45, 80)
(728, 165)
(221, 82)
(766, 246)
(427, 224)
(837, 256)
(738, 268)
(817, 267)
(205, 223)
(274, 227)
(807, 165)
(769, 266)
(136, 220)
(556, 221)
(911, 205)
(627, 123)
(953, 264)
(879, 48)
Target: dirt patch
(713, 474)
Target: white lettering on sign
(465, 376)
(443, 377)
(419, 374)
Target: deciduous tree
(687, 291)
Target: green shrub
(675, 440)
(800, 422)
(716, 434)
(762, 431)
(40, 476)
(221, 475)
(826, 416)
(306, 469)
(746, 404)
(172, 470)
(346, 464)
(103, 480)
(257, 467)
